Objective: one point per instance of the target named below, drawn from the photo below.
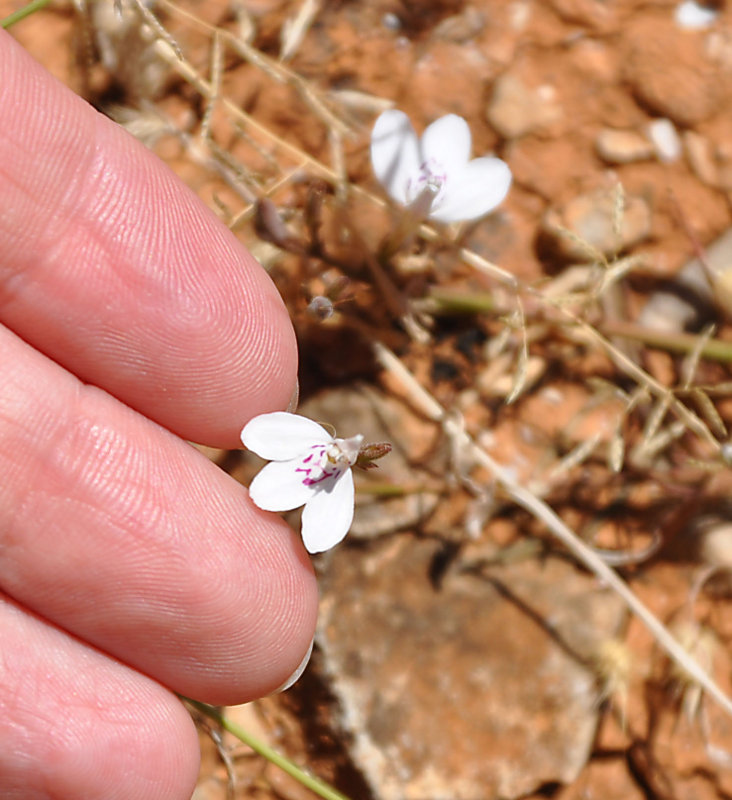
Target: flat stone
(672, 72)
(622, 146)
(474, 689)
(517, 108)
(591, 218)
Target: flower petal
(395, 153)
(447, 142)
(477, 189)
(328, 515)
(280, 436)
(277, 487)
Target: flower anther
(438, 163)
(308, 467)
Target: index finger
(111, 266)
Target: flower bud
(370, 452)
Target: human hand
(131, 320)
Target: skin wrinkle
(46, 470)
(114, 474)
(114, 483)
(30, 146)
(20, 432)
(20, 225)
(148, 283)
(8, 180)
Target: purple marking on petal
(308, 481)
(317, 467)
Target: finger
(76, 724)
(120, 532)
(113, 268)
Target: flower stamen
(431, 179)
(329, 460)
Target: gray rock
(477, 689)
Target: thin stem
(714, 349)
(321, 788)
(22, 13)
(449, 301)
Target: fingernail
(297, 673)
(292, 405)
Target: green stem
(714, 349)
(320, 788)
(22, 13)
(449, 301)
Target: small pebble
(701, 159)
(622, 146)
(715, 546)
(695, 16)
(517, 109)
(665, 139)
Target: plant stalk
(321, 788)
(22, 13)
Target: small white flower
(438, 162)
(309, 467)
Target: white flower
(439, 161)
(309, 467)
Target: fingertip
(114, 268)
(272, 618)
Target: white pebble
(694, 16)
(665, 139)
